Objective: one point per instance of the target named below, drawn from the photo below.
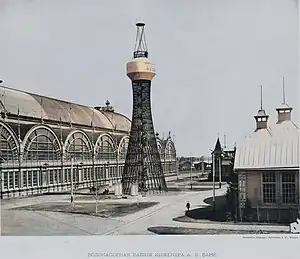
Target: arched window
(8, 145)
(170, 151)
(41, 145)
(160, 149)
(78, 146)
(105, 149)
(123, 146)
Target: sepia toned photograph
(149, 118)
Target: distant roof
(261, 113)
(284, 106)
(218, 147)
(37, 106)
(274, 147)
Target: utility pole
(191, 175)
(1, 175)
(220, 171)
(96, 192)
(214, 191)
(202, 167)
(72, 191)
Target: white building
(267, 164)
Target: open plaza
(156, 214)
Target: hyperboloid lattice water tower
(142, 166)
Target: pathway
(21, 222)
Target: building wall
(251, 189)
(41, 162)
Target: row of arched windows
(35, 161)
(42, 144)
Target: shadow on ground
(198, 231)
(208, 213)
(107, 210)
(188, 189)
(200, 215)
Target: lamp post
(220, 171)
(177, 167)
(96, 190)
(191, 174)
(44, 168)
(72, 193)
(202, 166)
(96, 181)
(1, 180)
(107, 176)
(213, 171)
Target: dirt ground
(104, 209)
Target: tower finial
(140, 48)
(283, 91)
(261, 97)
(261, 117)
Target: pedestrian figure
(188, 205)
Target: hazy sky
(211, 57)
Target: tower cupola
(261, 118)
(140, 68)
(284, 111)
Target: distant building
(267, 164)
(167, 152)
(223, 157)
(202, 166)
(185, 165)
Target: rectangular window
(119, 171)
(88, 173)
(289, 187)
(51, 176)
(101, 175)
(110, 172)
(55, 176)
(58, 173)
(17, 179)
(269, 187)
(29, 178)
(24, 179)
(66, 175)
(69, 175)
(5, 180)
(11, 180)
(84, 174)
(35, 178)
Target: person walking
(188, 205)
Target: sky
(211, 57)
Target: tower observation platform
(142, 165)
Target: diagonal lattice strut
(142, 165)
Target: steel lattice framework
(143, 165)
